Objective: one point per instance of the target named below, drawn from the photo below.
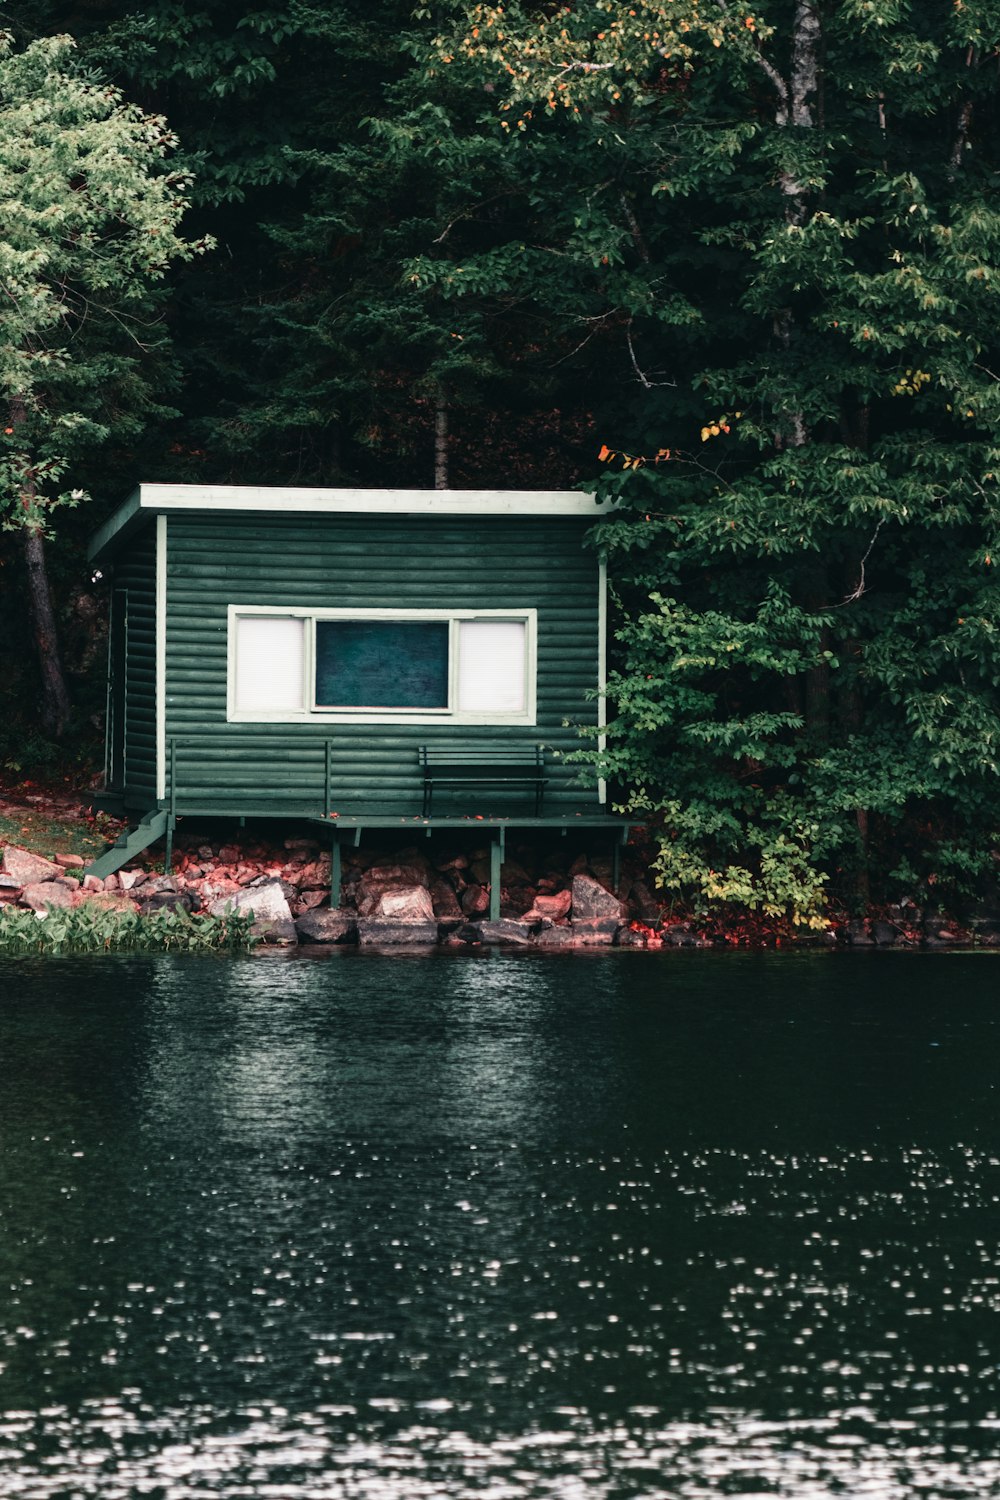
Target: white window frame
(427, 716)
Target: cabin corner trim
(602, 670)
(161, 657)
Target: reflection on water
(503, 1227)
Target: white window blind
(270, 663)
(491, 666)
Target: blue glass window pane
(381, 664)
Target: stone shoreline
(550, 898)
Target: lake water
(581, 1227)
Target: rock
(377, 932)
(310, 899)
(475, 899)
(506, 932)
(45, 893)
(398, 903)
(229, 854)
(381, 877)
(602, 869)
(27, 868)
(468, 932)
(884, 934)
(596, 931)
(324, 925)
(92, 883)
(557, 937)
(9, 883)
(683, 935)
(156, 883)
(592, 902)
(579, 866)
(513, 873)
(308, 846)
(70, 861)
(445, 902)
(316, 873)
(409, 865)
(105, 900)
(644, 904)
(127, 879)
(517, 900)
(630, 937)
(162, 901)
(553, 907)
(272, 915)
(857, 933)
(480, 871)
(457, 862)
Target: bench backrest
(441, 758)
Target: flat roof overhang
(170, 499)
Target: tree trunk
(55, 705)
(54, 709)
(441, 443)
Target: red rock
(28, 868)
(400, 903)
(48, 893)
(475, 900)
(310, 899)
(229, 854)
(553, 907)
(445, 902)
(105, 900)
(92, 883)
(70, 861)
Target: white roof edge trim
(262, 499)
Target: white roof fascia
(162, 499)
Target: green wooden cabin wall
(135, 573)
(369, 561)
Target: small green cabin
(364, 657)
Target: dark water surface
(575, 1226)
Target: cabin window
(270, 664)
(382, 664)
(379, 666)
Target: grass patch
(48, 836)
(81, 929)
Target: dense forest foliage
(735, 267)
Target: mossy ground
(51, 820)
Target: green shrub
(84, 929)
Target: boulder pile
(401, 897)
(553, 898)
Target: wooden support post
(326, 779)
(168, 853)
(496, 862)
(335, 871)
(616, 865)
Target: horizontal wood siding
(370, 562)
(135, 570)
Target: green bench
(483, 765)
